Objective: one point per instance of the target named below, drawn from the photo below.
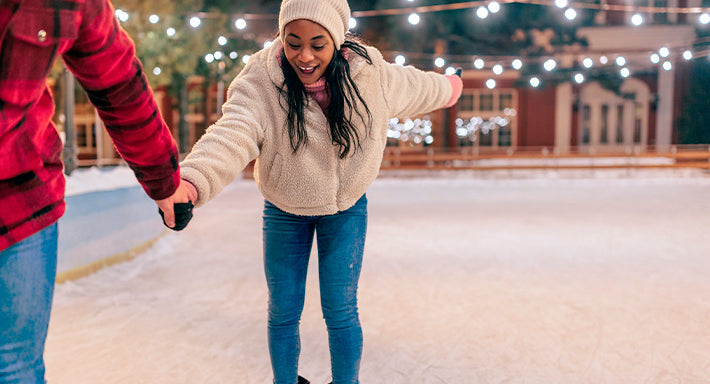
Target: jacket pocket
(40, 34)
(272, 180)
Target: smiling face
(308, 48)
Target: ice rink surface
(466, 279)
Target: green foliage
(694, 121)
(183, 53)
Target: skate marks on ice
(464, 281)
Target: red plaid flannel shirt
(96, 49)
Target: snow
(94, 179)
(469, 277)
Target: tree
(181, 51)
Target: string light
(570, 14)
(414, 19)
(450, 71)
(549, 64)
(482, 12)
(121, 15)
(579, 78)
(483, 8)
(157, 71)
(602, 6)
(490, 83)
(605, 6)
(588, 62)
(240, 24)
(412, 132)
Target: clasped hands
(176, 210)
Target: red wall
(536, 119)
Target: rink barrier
(121, 257)
(541, 158)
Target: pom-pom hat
(333, 15)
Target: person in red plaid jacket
(85, 33)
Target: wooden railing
(463, 158)
(466, 158)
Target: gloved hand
(183, 214)
(176, 210)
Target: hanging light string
(496, 64)
(603, 6)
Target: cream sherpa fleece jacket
(314, 180)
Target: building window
(604, 136)
(586, 124)
(466, 102)
(506, 101)
(486, 102)
(485, 137)
(504, 136)
(637, 123)
(487, 118)
(620, 124)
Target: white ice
(467, 278)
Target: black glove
(183, 214)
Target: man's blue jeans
(287, 246)
(27, 274)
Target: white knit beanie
(333, 15)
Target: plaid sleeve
(104, 62)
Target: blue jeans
(27, 273)
(287, 246)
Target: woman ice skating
(313, 111)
